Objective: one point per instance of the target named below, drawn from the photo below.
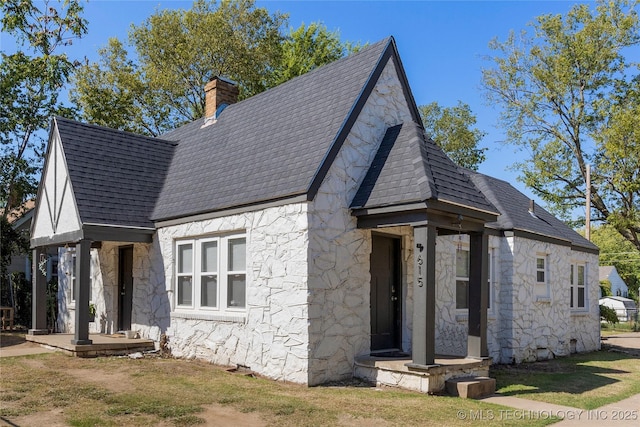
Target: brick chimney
(217, 92)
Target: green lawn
(585, 381)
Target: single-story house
(625, 308)
(609, 273)
(304, 227)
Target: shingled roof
(409, 167)
(515, 215)
(271, 146)
(116, 176)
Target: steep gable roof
(275, 145)
(514, 213)
(409, 167)
(116, 176)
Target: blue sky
(441, 44)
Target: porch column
(478, 295)
(39, 295)
(424, 297)
(83, 263)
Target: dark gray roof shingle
(409, 167)
(116, 176)
(514, 212)
(267, 147)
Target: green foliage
(619, 252)
(605, 288)
(452, 129)
(569, 97)
(30, 82)
(12, 243)
(310, 47)
(608, 314)
(178, 52)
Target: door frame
(125, 295)
(397, 304)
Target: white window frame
(490, 276)
(542, 289)
(71, 275)
(575, 286)
(462, 278)
(223, 273)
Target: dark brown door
(125, 283)
(385, 293)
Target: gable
(56, 212)
(116, 176)
(276, 145)
(410, 168)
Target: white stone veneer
(272, 337)
(522, 326)
(338, 251)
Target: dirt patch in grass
(115, 381)
(52, 418)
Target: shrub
(608, 314)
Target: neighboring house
(625, 308)
(20, 220)
(610, 274)
(306, 226)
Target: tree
(310, 47)
(619, 252)
(452, 129)
(570, 98)
(30, 82)
(178, 52)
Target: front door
(125, 284)
(386, 293)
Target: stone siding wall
(104, 292)
(271, 338)
(523, 324)
(338, 251)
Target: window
(577, 279)
(462, 278)
(542, 277)
(211, 273)
(71, 273)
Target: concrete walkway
(618, 414)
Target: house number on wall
(419, 262)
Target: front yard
(56, 390)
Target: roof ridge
(421, 163)
(112, 130)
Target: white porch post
(478, 295)
(39, 296)
(424, 297)
(83, 263)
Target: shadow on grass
(565, 375)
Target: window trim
(71, 276)
(574, 286)
(546, 284)
(490, 278)
(222, 274)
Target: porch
(100, 344)
(431, 379)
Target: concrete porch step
(471, 387)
